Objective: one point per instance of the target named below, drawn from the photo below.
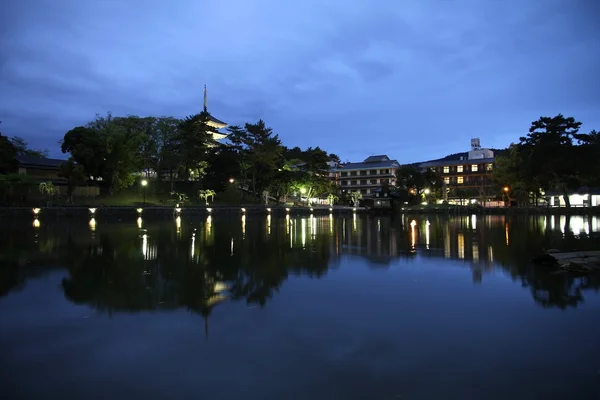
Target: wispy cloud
(409, 78)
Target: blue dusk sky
(414, 79)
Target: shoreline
(202, 211)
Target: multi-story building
(466, 176)
(369, 176)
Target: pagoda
(213, 123)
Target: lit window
(474, 167)
(447, 180)
(459, 179)
(459, 169)
(446, 170)
(490, 167)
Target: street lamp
(506, 189)
(231, 180)
(144, 183)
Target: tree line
(553, 157)
(113, 151)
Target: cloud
(351, 77)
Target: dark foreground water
(299, 308)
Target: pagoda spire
(205, 100)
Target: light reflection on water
(220, 267)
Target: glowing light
(313, 225)
(139, 222)
(269, 224)
(243, 224)
(287, 210)
(36, 211)
(139, 210)
(354, 222)
(473, 221)
(427, 191)
(413, 223)
(506, 232)
(303, 190)
(413, 234)
(231, 246)
(311, 209)
(193, 247)
(330, 209)
(209, 210)
(354, 209)
(303, 227)
(268, 210)
(93, 224)
(92, 211)
(144, 245)
(331, 223)
(243, 210)
(144, 182)
(178, 223)
(231, 180)
(427, 223)
(461, 245)
(36, 223)
(506, 189)
(177, 210)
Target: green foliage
(48, 189)
(179, 198)
(23, 149)
(553, 156)
(74, 174)
(8, 154)
(356, 197)
(332, 198)
(206, 195)
(108, 148)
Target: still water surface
(297, 308)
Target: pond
(328, 307)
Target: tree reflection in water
(197, 264)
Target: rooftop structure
(213, 122)
(368, 176)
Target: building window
(353, 173)
(373, 172)
(373, 181)
(353, 182)
(459, 180)
(363, 191)
(446, 170)
(344, 183)
(363, 181)
(385, 181)
(363, 172)
(447, 180)
(344, 173)
(489, 167)
(474, 168)
(459, 168)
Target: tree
(510, 171)
(206, 194)
(107, 148)
(48, 189)
(355, 197)
(261, 149)
(22, 148)
(550, 155)
(194, 138)
(74, 174)
(8, 155)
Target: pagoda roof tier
(216, 123)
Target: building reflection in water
(200, 268)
